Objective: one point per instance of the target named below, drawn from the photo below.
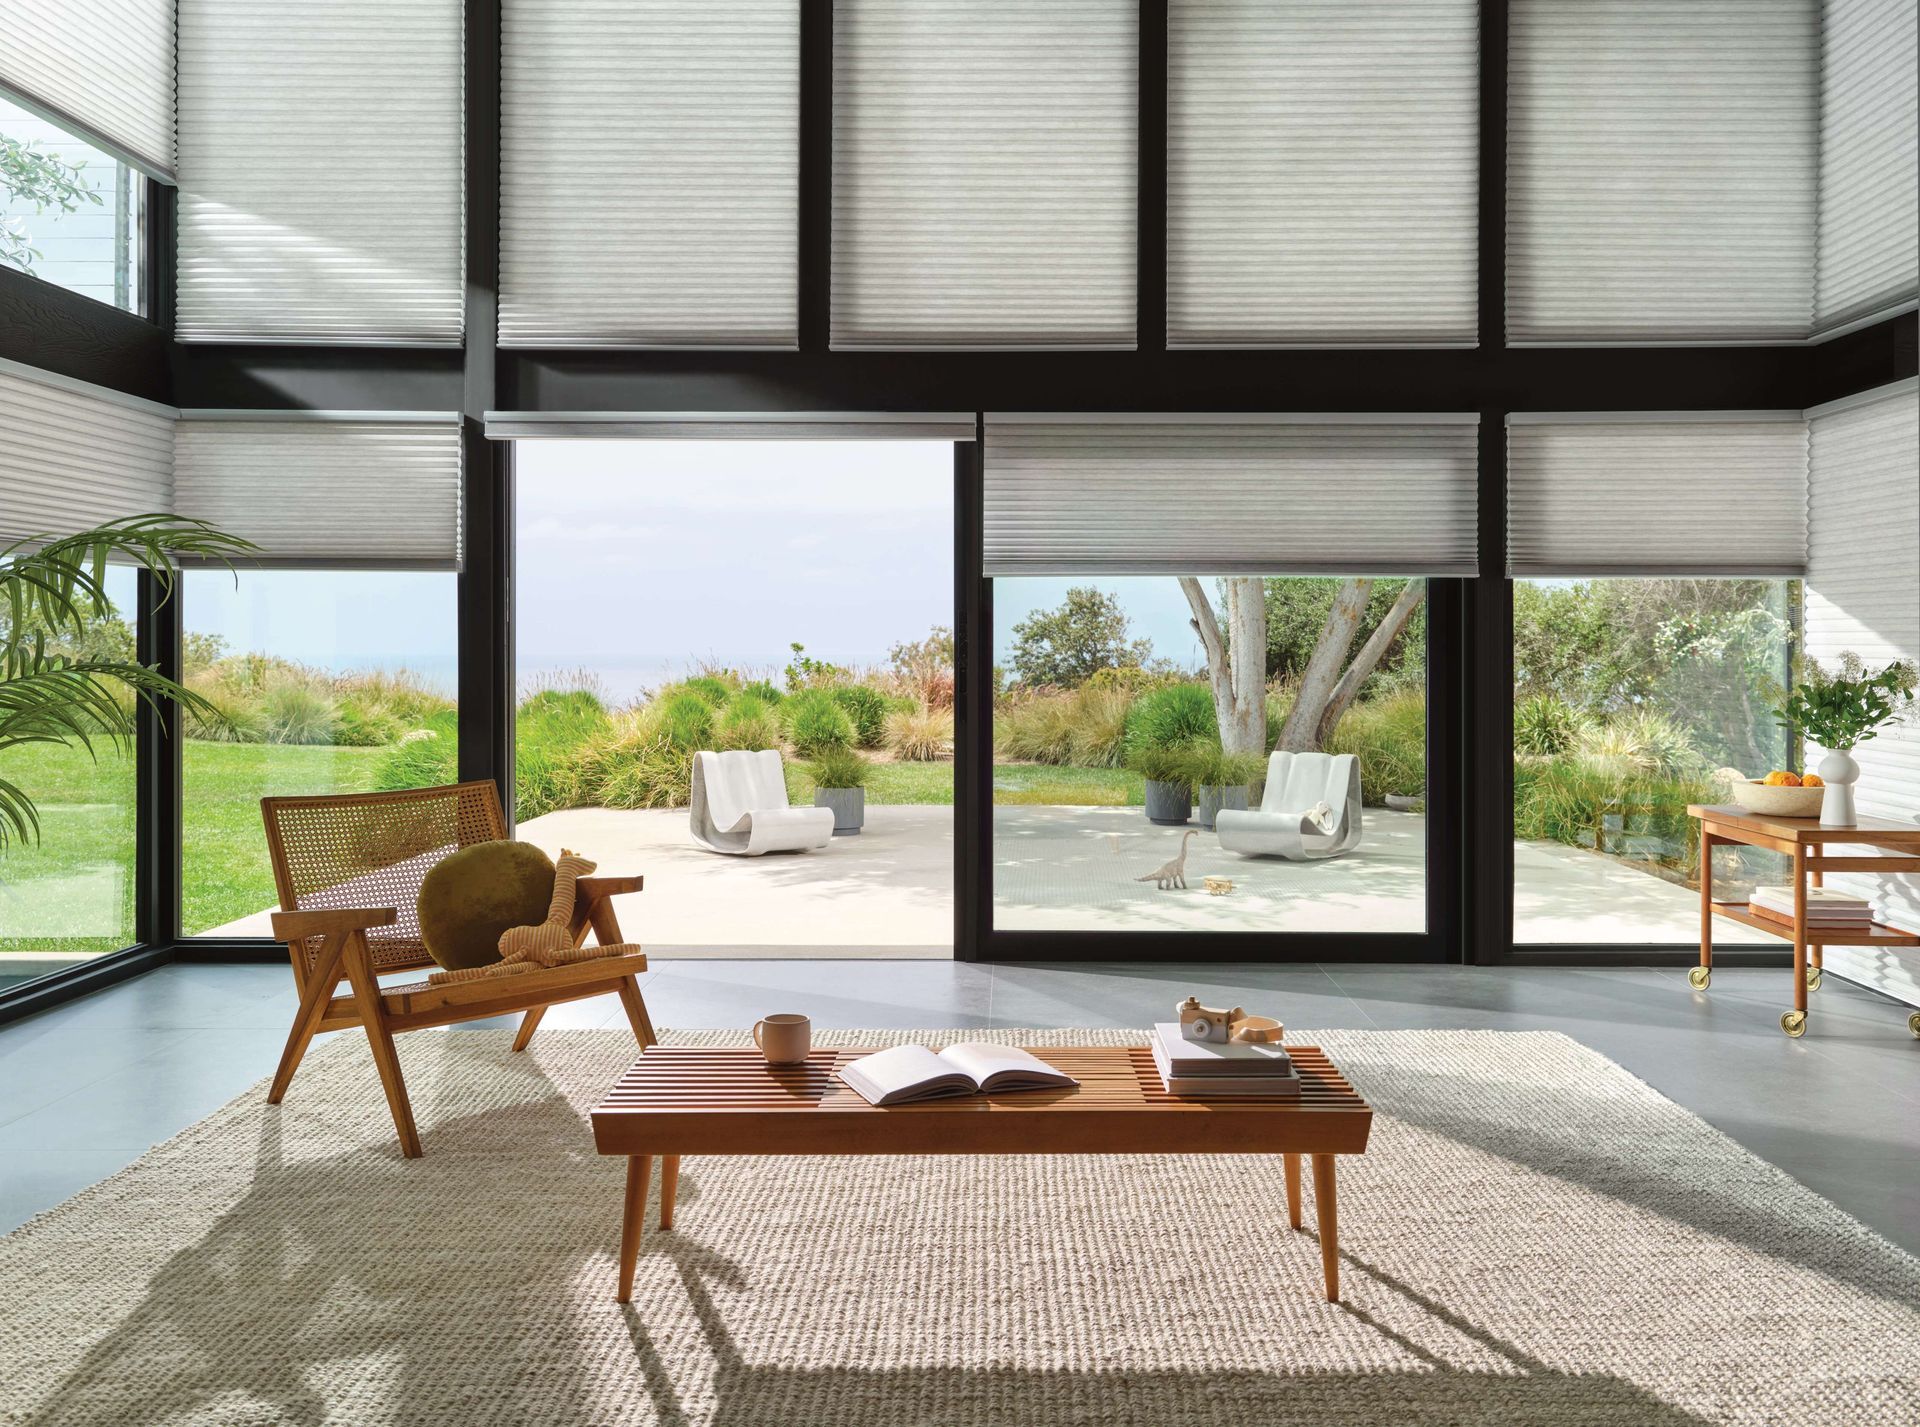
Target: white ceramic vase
(1839, 772)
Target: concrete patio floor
(889, 891)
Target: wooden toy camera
(1204, 1023)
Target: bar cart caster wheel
(1794, 1023)
(1699, 977)
(1813, 978)
(1913, 1025)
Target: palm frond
(19, 822)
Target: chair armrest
(297, 926)
(594, 888)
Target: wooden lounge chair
(348, 870)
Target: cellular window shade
(649, 173)
(321, 171)
(985, 173)
(1869, 241)
(359, 490)
(730, 425)
(1656, 494)
(1230, 494)
(1322, 173)
(1661, 170)
(73, 456)
(103, 68)
(1863, 597)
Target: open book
(912, 1072)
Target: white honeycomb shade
(1661, 170)
(73, 456)
(729, 426)
(321, 172)
(1322, 173)
(985, 173)
(102, 67)
(650, 173)
(1656, 494)
(1863, 597)
(1221, 495)
(1869, 248)
(345, 490)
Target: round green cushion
(473, 895)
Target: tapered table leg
(1293, 1190)
(1324, 1206)
(669, 1187)
(633, 1220)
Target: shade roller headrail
(361, 490)
(73, 455)
(321, 172)
(682, 124)
(985, 173)
(103, 69)
(1869, 241)
(730, 425)
(1222, 494)
(1322, 173)
(1661, 170)
(1656, 494)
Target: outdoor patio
(888, 892)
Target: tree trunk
(1301, 732)
(1237, 671)
(1369, 657)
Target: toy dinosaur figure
(1171, 874)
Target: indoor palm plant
(1838, 711)
(53, 689)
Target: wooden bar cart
(1804, 840)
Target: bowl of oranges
(1781, 794)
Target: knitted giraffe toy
(550, 943)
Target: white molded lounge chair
(739, 805)
(1285, 825)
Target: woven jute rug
(1533, 1237)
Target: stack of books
(1204, 1071)
(1827, 910)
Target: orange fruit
(1813, 780)
(1780, 778)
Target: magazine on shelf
(1266, 1083)
(914, 1072)
(1822, 903)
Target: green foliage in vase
(1841, 709)
(839, 768)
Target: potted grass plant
(1839, 711)
(1219, 779)
(1169, 794)
(840, 783)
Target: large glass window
(794, 598)
(69, 213)
(1632, 699)
(1113, 757)
(327, 682)
(68, 895)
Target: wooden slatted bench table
(686, 1100)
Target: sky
(637, 560)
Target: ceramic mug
(784, 1039)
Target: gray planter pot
(1212, 800)
(849, 808)
(1169, 804)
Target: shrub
(1099, 726)
(361, 725)
(1172, 716)
(839, 768)
(1544, 727)
(867, 708)
(768, 694)
(1640, 742)
(1157, 764)
(816, 723)
(747, 723)
(1037, 729)
(1389, 736)
(1572, 799)
(1206, 765)
(684, 718)
(1129, 679)
(427, 757)
(920, 735)
(632, 766)
(715, 690)
(549, 730)
(294, 711)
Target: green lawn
(74, 891)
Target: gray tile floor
(87, 1087)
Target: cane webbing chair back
(374, 850)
